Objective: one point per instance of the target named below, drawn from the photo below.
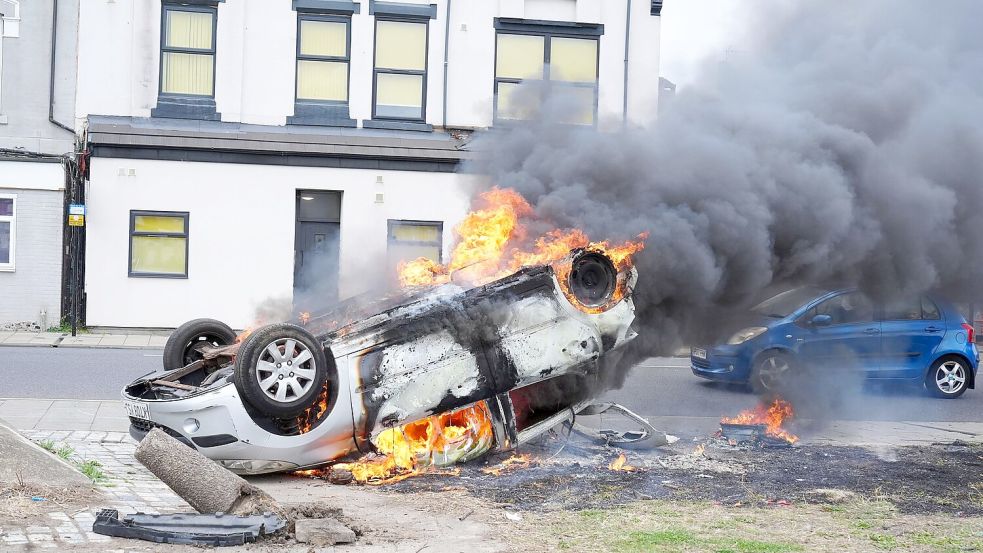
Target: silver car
(526, 348)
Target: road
(656, 387)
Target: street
(657, 387)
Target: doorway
(317, 240)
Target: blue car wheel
(770, 370)
(947, 378)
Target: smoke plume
(844, 145)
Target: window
(187, 57)
(568, 63)
(322, 59)
(400, 85)
(850, 308)
(158, 244)
(911, 309)
(8, 230)
(409, 240)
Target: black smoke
(844, 145)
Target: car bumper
(721, 366)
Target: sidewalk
(65, 415)
(135, 339)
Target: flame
(304, 317)
(493, 242)
(244, 334)
(440, 440)
(619, 464)
(699, 450)
(773, 417)
(508, 465)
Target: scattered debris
(322, 531)
(188, 529)
(514, 517)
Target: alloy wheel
(950, 377)
(771, 371)
(285, 370)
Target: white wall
(241, 248)
(119, 55)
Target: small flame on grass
(620, 464)
(699, 450)
(508, 465)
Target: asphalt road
(656, 387)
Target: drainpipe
(51, 80)
(447, 36)
(624, 112)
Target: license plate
(137, 410)
(699, 353)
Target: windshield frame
(786, 303)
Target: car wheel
(183, 347)
(280, 370)
(947, 378)
(770, 370)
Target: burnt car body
(529, 346)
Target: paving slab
(136, 340)
(82, 340)
(19, 407)
(158, 341)
(33, 339)
(111, 340)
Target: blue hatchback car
(921, 339)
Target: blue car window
(850, 308)
(930, 311)
(908, 309)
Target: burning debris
(620, 464)
(762, 425)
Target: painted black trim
(656, 7)
(279, 159)
(339, 7)
(321, 112)
(537, 26)
(403, 10)
(214, 441)
(134, 213)
(187, 106)
(397, 125)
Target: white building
(249, 149)
(37, 89)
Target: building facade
(37, 133)
(243, 150)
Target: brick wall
(35, 283)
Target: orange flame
(244, 334)
(440, 440)
(508, 465)
(619, 464)
(493, 242)
(304, 317)
(773, 417)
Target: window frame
(10, 266)
(134, 213)
(347, 59)
(548, 32)
(173, 6)
(392, 224)
(426, 66)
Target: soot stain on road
(923, 479)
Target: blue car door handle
(872, 331)
(932, 329)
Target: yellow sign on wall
(76, 215)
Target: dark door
(852, 339)
(912, 330)
(318, 234)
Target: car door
(850, 340)
(911, 331)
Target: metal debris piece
(219, 529)
(645, 438)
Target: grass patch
(883, 541)
(92, 469)
(65, 452)
(679, 540)
(48, 445)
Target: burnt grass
(924, 479)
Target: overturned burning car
(489, 367)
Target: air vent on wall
(656, 7)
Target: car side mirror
(821, 320)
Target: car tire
(269, 376)
(947, 378)
(181, 346)
(770, 369)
